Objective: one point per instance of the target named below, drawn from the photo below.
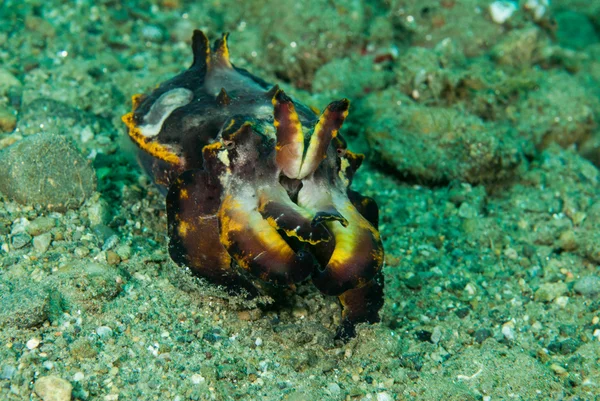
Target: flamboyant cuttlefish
(258, 186)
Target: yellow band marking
(155, 149)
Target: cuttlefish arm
(290, 138)
(281, 213)
(357, 255)
(192, 204)
(256, 245)
(360, 305)
(325, 131)
(294, 158)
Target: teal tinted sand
(479, 120)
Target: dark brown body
(258, 185)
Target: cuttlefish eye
(341, 152)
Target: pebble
(501, 11)
(462, 312)
(40, 25)
(9, 139)
(564, 347)
(86, 134)
(41, 243)
(152, 33)
(508, 330)
(383, 396)
(7, 81)
(40, 225)
(567, 241)
(550, 291)
(7, 372)
(33, 343)
(48, 170)
(561, 301)
(511, 253)
(334, 389)
(98, 212)
(559, 370)
(79, 376)
(81, 251)
(414, 282)
(436, 335)
(481, 335)
(110, 242)
(8, 120)
(466, 211)
(20, 240)
(537, 7)
(104, 331)
(53, 388)
(197, 379)
(112, 258)
(124, 252)
(423, 335)
(588, 286)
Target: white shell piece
(501, 11)
(162, 109)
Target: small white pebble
(501, 11)
(258, 342)
(87, 134)
(33, 343)
(597, 334)
(595, 320)
(470, 289)
(537, 7)
(384, 397)
(197, 379)
(562, 301)
(508, 330)
(436, 335)
(511, 253)
(48, 365)
(77, 377)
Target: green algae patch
(46, 170)
(441, 144)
